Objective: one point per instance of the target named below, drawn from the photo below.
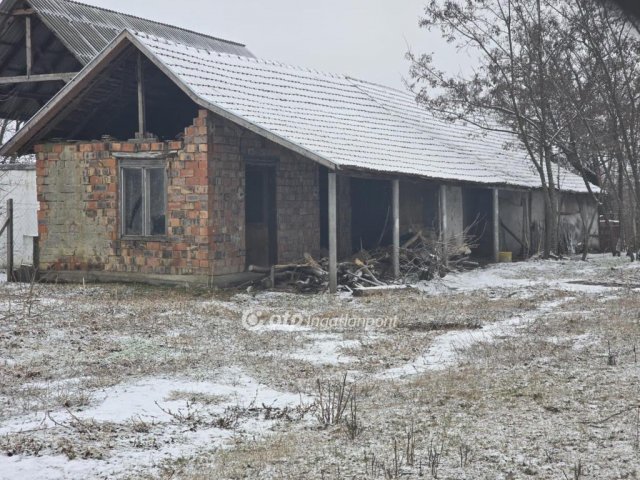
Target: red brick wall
(79, 211)
(297, 190)
(298, 200)
(226, 198)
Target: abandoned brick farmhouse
(162, 152)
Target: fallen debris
(421, 259)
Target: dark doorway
(478, 207)
(324, 206)
(371, 224)
(260, 211)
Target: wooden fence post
(36, 255)
(10, 240)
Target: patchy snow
(528, 274)
(491, 277)
(444, 350)
(144, 398)
(584, 341)
(147, 400)
(325, 349)
(569, 285)
(128, 453)
(7, 362)
(49, 467)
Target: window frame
(144, 165)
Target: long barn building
(174, 155)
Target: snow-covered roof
(339, 121)
(87, 29)
(348, 122)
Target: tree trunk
(622, 240)
(551, 222)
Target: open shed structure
(256, 162)
(45, 43)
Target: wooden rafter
(23, 12)
(47, 77)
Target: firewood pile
(421, 258)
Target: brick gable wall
(79, 215)
(79, 208)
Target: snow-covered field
(527, 370)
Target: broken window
(144, 198)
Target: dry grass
(531, 405)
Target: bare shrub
(576, 473)
(612, 357)
(434, 456)
(196, 397)
(410, 450)
(464, 450)
(20, 445)
(333, 400)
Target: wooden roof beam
(23, 12)
(48, 77)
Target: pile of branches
(421, 258)
(306, 276)
(425, 258)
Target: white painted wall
(19, 183)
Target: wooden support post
(444, 235)
(29, 46)
(142, 116)
(333, 234)
(395, 207)
(496, 225)
(10, 240)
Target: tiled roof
(333, 119)
(86, 30)
(348, 122)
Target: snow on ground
(248, 364)
(325, 349)
(443, 352)
(152, 401)
(146, 399)
(525, 275)
(7, 362)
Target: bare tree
(7, 129)
(561, 74)
(511, 90)
(599, 76)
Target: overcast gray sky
(364, 38)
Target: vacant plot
(515, 371)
